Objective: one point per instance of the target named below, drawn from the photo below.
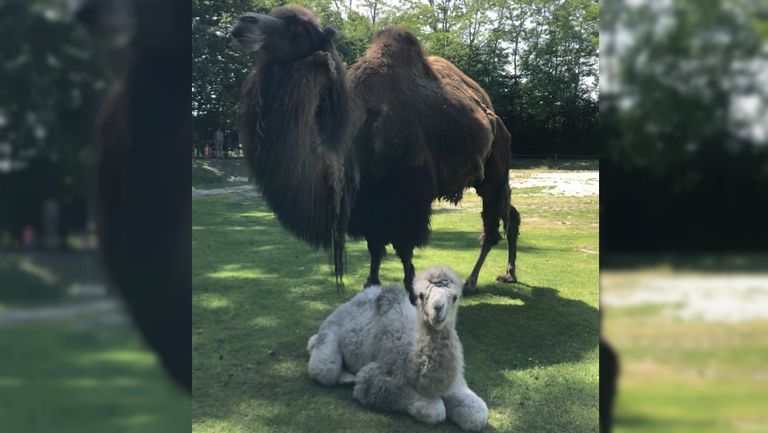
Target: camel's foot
(471, 414)
(470, 287)
(372, 282)
(509, 277)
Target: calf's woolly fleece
(401, 358)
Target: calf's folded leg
(375, 389)
(325, 360)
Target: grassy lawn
(683, 375)
(85, 374)
(530, 348)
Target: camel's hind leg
(405, 252)
(496, 207)
(512, 223)
(325, 361)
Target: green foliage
(674, 132)
(53, 77)
(537, 59)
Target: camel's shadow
(536, 326)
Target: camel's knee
(325, 359)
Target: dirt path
(227, 190)
(13, 316)
(561, 183)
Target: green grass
(686, 376)
(217, 173)
(87, 374)
(258, 294)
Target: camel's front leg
(465, 408)
(376, 389)
(377, 251)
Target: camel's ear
(330, 33)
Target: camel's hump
(395, 46)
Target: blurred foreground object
(609, 372)
(143, 176)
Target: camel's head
(284, 35)
(438, 290)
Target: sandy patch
(568, 183)
(709, 297)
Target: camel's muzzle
(251, 31)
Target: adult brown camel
(364, 153)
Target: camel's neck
(436, 361)
(293, 124)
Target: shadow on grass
(542, 329)
(259, 295)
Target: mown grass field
(687, 375)
(90, 373)
(258, 294)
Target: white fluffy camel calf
(401, 358)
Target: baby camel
(401, 358)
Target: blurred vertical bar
(95, 216)
(684, 205)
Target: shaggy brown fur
(366, 154)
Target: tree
(682, 157)
(53, 79)
(536, 58)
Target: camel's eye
(455, 298)
(421, 297)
